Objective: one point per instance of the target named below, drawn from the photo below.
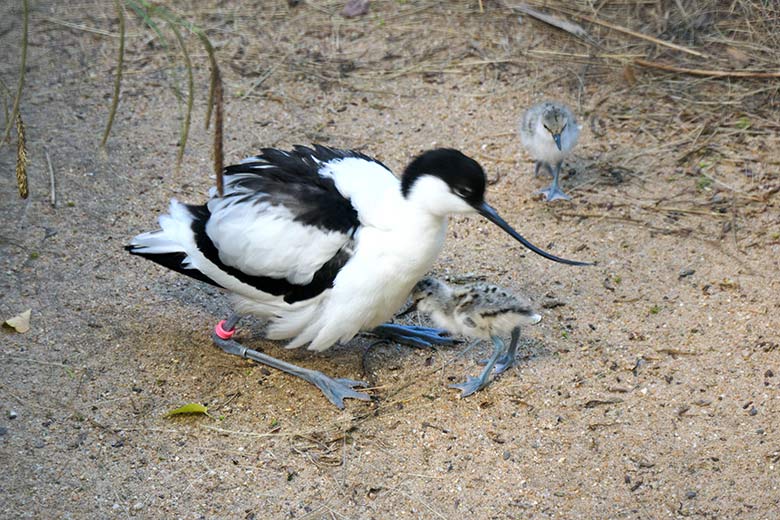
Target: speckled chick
(480, 311)
(549, 132)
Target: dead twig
(707, 72)
(52, 184)
(22, 69)
(185, 127)
(564, 25)
(636, 34)
(215, 103)
(218, 132)
(118, 77)
(79, 27)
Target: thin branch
(706, 72)
(639, 35)
(22, 69)
(218, 133)
(118, 77)
(79, 27)
(185, 129)
(215, 103)
(215, 73)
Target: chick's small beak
(409, 310)
(557, 139)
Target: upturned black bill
(492, 215)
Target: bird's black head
(445, 181)
(463, 175)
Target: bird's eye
(463, 192)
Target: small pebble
(3, 430)
(12, 414)
(506, 455)
(753, 411)
(138, 506)
(686, 272)
(769, 373)
(691, 495)
(552, 303)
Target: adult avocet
(323, 244)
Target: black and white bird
(323, 244)
(481, 311)
(549, 131)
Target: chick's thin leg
(473, 384)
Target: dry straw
(21, 158)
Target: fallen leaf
(20, 323)
(189, 408)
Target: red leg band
(221, 332)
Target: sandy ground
(649, 390)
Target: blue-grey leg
(336, 390)
(412, 335)
(507, 360)
(538, 165)
(473, 384)
(553, 191)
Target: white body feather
(396, 244)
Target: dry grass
(696, 76)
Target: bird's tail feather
(168, 246)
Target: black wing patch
(291, 179)
(288, 179)
(322, 280)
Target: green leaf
(189, 408)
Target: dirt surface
(649, 390)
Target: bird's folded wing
(275, 224)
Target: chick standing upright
(480, 311)
(549, 132)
